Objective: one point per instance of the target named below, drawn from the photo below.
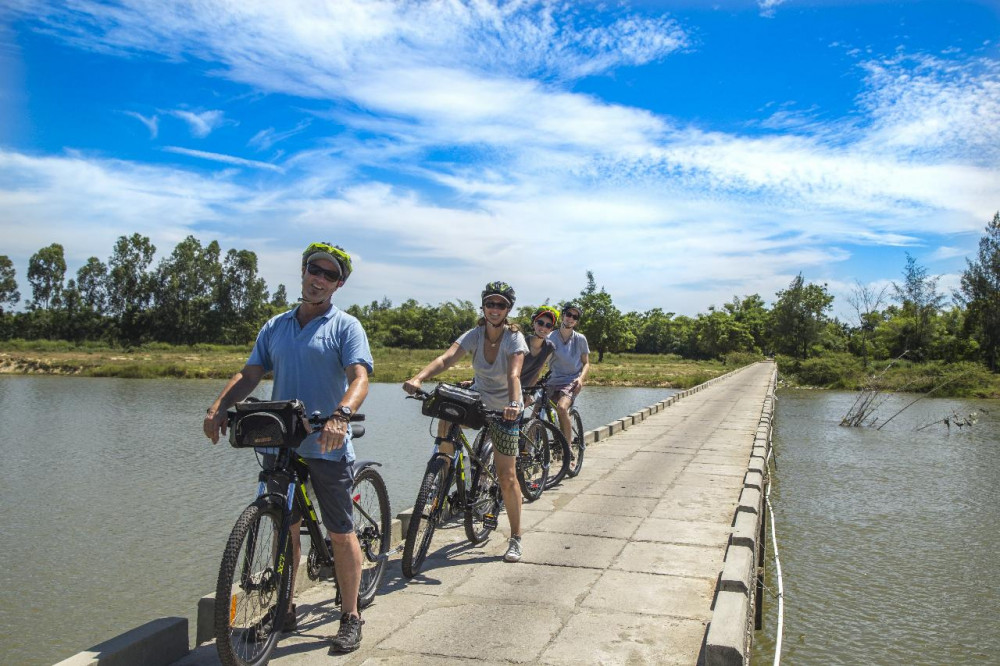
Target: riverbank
(391, 365)
(833, 370)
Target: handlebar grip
(357, 431)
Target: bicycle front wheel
(482, 503)
(532, 465)
(426, 511)
(254, 587)
(576, 446)
(373, 525)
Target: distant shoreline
(161, 361)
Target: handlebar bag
(277, 423)
(456, 404)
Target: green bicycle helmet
(330, 252)
(501, 289)
(546, 310)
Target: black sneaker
(348, 638)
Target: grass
(391, 365)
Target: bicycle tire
(577, 447)
(426, 510)
(532, 464)
(373, 526)
(253, 588)
(559, 454)
(483, 498)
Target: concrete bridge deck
(621, 564)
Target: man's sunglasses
(332, 276)
(495, 305)
(570, 315)
(545, 323)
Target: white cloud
(152, 123)
(767, 7)
(202, 123)
(227, 159)
(550, 183)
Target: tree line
(197, 295)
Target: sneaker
(513, 553)
(348, 638)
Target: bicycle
(568, 453)
(254, 585)
(477, 494)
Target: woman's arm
(514, 364)
(435, 367)
(583, 373)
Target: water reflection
(114, 499)
(886, 537)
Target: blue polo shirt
(308, 363)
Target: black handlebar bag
(456, 404)
(276, 423)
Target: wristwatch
(343, 413)
(515, 403)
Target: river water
(888, 539)
(116, 508)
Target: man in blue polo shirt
(320, 355)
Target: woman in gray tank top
(498, 350)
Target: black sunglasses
(332, 276)
(570, 315)
(495, 305)
(545, 323)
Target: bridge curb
(729, 637)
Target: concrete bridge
(650, 556)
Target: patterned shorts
(504, 435)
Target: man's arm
(239, 387)
(335, 430)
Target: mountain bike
(567, 456)
(255, 577)
(472, 469)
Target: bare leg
(347, 561)
(510, 491)
(296, 528)
(562, 408)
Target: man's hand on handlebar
(215, 423)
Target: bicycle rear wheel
(426, 512)
(532, 465)
(576, 446)
(483, 500)
(253, 588)
(373, 525)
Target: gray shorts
(331, 482)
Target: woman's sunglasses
(332, 276)
(495, 305)
(545, 323)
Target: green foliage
(798, 317)
(603, 324)
(980, 291)
(46, 272)
(9, 295)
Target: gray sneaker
(513, 553)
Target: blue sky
(684, 151)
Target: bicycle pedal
(490, 521)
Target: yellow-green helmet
(549, 310)
(330, 252)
